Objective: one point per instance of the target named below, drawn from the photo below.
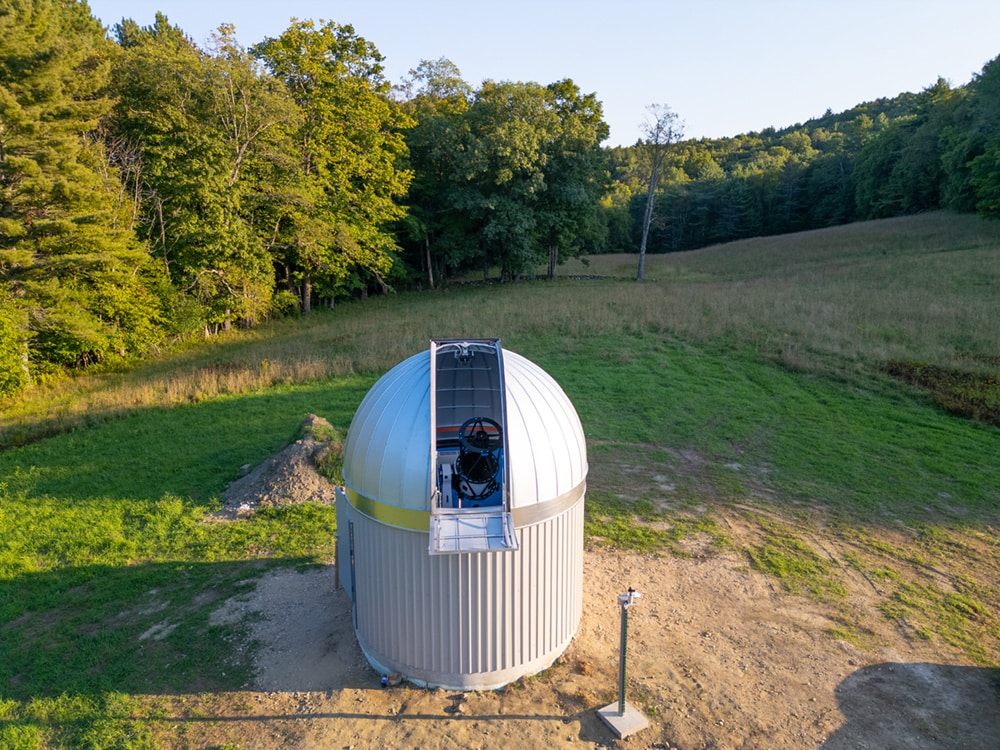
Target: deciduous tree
(514, 177)
(576, 175)
(985, 179)
(437, 99)
(350, 151)
(511, 126)
(205, 122)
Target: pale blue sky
(724, 66)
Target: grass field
(785, 382)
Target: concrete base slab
(624, 724)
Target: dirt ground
(719, 656)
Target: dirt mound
(290, 476)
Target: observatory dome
(460, 534)
(388, 452)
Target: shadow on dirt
(927, 707)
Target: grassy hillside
(743, 386)
(841, 302)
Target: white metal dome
(388, 452)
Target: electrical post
(623, 718)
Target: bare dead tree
(662, 127)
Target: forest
(153, 190)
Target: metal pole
(626, 719)
(621, 661)
(626, 601)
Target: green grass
(786, 556)
(109, 569)
(641, 527)
(739, 401)
(856, 451)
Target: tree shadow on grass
(919, 707)
(81, 647)
(93, 656)
(142, 629)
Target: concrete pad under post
(623, 724)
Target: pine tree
(85, 287)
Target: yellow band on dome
(420, 520)
(404, 518)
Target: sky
(725, 67)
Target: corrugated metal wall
(467, 621)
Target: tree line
(151, 189)
(936, 149)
